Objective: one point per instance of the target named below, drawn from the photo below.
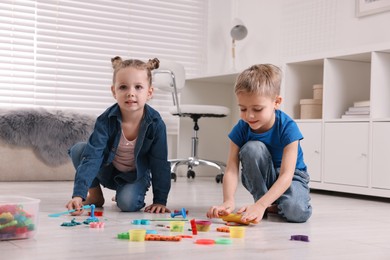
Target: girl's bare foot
(95, 196)
(273, 209)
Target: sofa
(34, 143)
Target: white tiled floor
(342, 227)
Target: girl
(127, 150)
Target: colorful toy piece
(15, 222)
(223, 229)
(300, 238)
(92, 218)
(54, 215)
(236, 218)
(179, 213)
(151, 237)
(193, 227)
(72, 223)
(140, 222)
(96, 225)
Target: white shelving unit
(345, 155)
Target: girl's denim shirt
(151, 152)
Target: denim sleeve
(92, 158)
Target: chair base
(192, 162)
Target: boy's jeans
(130, 195)
(259, 174)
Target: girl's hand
(219, 211)
(252, 213)
(77, 204)
(157, 208)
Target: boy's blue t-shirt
(283, 132)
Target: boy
(266, 143)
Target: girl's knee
(129, 202)
(294, 211)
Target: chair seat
(201, 110)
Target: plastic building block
(300, 238)
(193, 227)
(124, 235)
(97, 213)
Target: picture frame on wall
(370, 7)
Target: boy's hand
(157, 208)
(252, 212)
(77, 204)
(219, 211)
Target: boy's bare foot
(95, 196)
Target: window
(57, 54)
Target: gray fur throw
(48, 133)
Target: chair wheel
(173, 176)
(190, 174)
(219, 178)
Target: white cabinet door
(311, 146)
(346, 153)
(380, 155)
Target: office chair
(171, 77)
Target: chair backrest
(170, 77)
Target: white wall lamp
(238, 32)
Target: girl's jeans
(259, 174)
(130, 194)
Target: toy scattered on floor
(140, 222)
(92, 217)
(223, 229)
(236, 218)
(152, 237)
(15, 222)
(205, 241)
(223, 241)
(54, 215)
(193, 227)
(96, 225)
(237, 232)
(72, 223)
(97, 213)
(300, 238)
(179, 213)
(176, 226)
(124, 235)
(167, 219)
(203, 225)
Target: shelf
(229, 78)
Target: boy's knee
(253, 149)
(294, 211)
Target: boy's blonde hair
(118, 63)
(263, 79)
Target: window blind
(57, 53)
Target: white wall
(282, 29)
(278, 30)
